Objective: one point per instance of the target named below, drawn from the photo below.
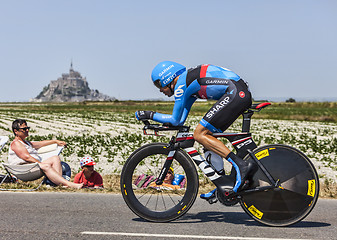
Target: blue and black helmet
(165, 72)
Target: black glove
(144, 115)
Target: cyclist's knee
(200, 133)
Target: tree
(291, 100)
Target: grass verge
(328, 189)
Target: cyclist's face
(167, 91)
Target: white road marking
(182, 236)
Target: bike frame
(242, 142)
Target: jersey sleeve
(186, 110)
(174, 118)
(182, 106)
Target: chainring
(225, 200)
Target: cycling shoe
(210, 197)
(244, 170)
(247, 173)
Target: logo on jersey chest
(179, 91)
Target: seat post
(246, 120)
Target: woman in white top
(22, 151)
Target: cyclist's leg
(221, 115)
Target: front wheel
(158, 203)
(298, 187)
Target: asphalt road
(105, 216)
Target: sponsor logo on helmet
(179, 92)
(242, 94)
(218, 107)
(168, 80)
(165, 70)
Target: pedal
(210, 197)
(212, 200)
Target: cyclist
(204, 82)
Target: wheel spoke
(148, 200)
(162, 197)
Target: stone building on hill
(71, 87)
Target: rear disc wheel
(298, 191)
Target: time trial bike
(283, 191)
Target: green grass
(309, 111)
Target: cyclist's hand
(144, 115)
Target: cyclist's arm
(187, 109)
(182, 107)
(174, 118)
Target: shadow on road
(230, 217)
(234, 218)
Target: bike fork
(165, 168)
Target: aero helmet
(165, 72)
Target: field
(109, 131)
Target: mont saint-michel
(71, 87)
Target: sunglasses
(24, 128)
(157, 83)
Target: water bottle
(215, 160)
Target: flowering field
(110, 136)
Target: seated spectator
(88, 176)
(23, 152)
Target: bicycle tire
(298, 191)
(157, 204)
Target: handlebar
(158, 128)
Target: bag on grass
(148, 180)
(177, 179)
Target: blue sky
(282, 48)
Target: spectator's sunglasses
(24, 128)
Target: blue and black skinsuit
(209, 82)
